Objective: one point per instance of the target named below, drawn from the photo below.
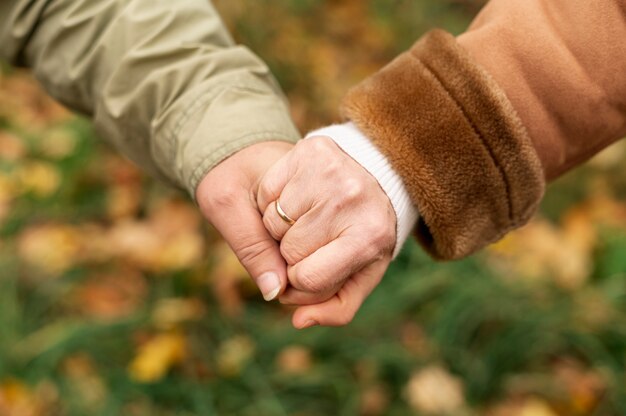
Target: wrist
(352, 141)
(242, 170)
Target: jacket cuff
(448, 129)
(217, 121)
(352, 141)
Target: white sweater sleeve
(352, 141)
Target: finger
(341, 308)
(331, 265)
(274, 181)
(242, 227)
(314, 229)
(274, 223)
(293, 296)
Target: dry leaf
(374, 400)
(58, 143)
(111, 296)
(51, 249)
(294, 359)
(171, 312)
(169, 239)
(540, 250)
(583, 387)
(17, 399)
(9, 189)
(123, 201)
(433, 390)
(610, 157)
(85, 381)
(536, 407)
(157, 356)
(233, 355)
(226, 277)
(11, 147)
(41, 178)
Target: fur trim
(454, 137)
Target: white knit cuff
(352, 141)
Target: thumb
(242, 227)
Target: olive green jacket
(162, 80)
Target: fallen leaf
(432, 390)
(123, 201)
(294, 359)
(12, 148)
(541, 251)
(233, 355)
(157, 356)
(374, 400)
(169, 313)
(85, 383)
(536, 407)
(58, 143)
(51, 248)
(227, 276)
(111, 295)
(41, 178)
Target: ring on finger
(283, 215)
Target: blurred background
(117, 299)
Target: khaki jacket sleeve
(162, 80)
(476, 125)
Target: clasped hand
(343, 232)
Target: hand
(343, 236)
(227, 198)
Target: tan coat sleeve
(162, 80)
(475, 126)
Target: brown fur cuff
(453, 136)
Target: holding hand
(227, 198)
(342, 234)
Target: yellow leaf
(51, 248)
(157, 356)
(171, 312)
(433, 390)
(58, 143)
(536, 407)
(541, 250)
(233, 355)
(17, 399)
(40, 178)
(123, 201)
(9, 189)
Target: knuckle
(291, 251)
(265, 190)
(353, 189)
(381, 232)
(272, 228)
(333, 169)
(310, 281)
(250, 253)
(321, 144)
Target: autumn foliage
(116, 298)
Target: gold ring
(283, 215)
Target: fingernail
(269, 284)
(309, 324)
